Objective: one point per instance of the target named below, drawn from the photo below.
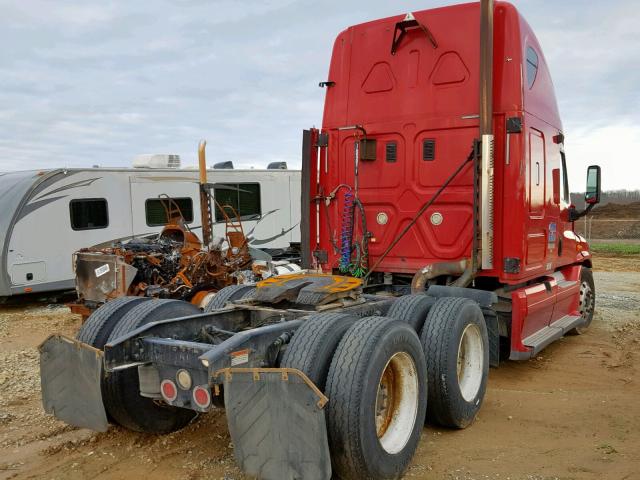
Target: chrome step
(553, 332)
(542, 338)
(568, 322)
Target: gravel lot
(571, 413)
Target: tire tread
(346, 381)
(412, 309)
(228, 294)
(435, 339)
(305, 350)
(98, 327)
(118, 386)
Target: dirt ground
(573, 412)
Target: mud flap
(70, 375)
(277, 423)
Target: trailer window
(532, 66)
(156, 210)
(89, 213)
(244, 198)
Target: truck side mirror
(592, 192)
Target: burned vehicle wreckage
(175, 263)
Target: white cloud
(86, 82)
(616, 148)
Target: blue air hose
(346, 234)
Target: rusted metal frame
(205, 204)
(486, 67)
(485, 177)
(421, 278)
(256, 373)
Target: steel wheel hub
(586, 301)
(470, 362)
(397, 402)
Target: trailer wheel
(587, 303)
(96, 329)
(121, 393)
(412, 309)
(228, 294)
(378, 398)
(455, 343)
(314, 343)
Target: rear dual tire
(121, 389)
(377, 399)
(121, 395)
(95, 331)
(412, 309)
(313, 345)
(455, 343)
(229, 294)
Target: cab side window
(565, 180)
(532, 66)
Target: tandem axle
(162, 363)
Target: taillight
(201, 396)
(169, 390)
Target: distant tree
(622, 197)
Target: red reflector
(201, 396)
(169, 390)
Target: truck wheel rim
(397, 402)
(470, 362)
(586, 301)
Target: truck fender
(481, 297)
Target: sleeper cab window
(242, 199)
(89, 213)
(157, 210)
(532, 66)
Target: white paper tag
(102, 270)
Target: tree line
(622, 197)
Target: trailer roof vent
(228, 165)
(155, 160)
(277, 166)
(428, 150)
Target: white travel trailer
(45, 216)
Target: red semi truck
(438, 238)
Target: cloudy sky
(97, 82)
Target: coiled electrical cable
(346, 232)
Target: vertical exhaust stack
(486, 183)
(205, 204)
